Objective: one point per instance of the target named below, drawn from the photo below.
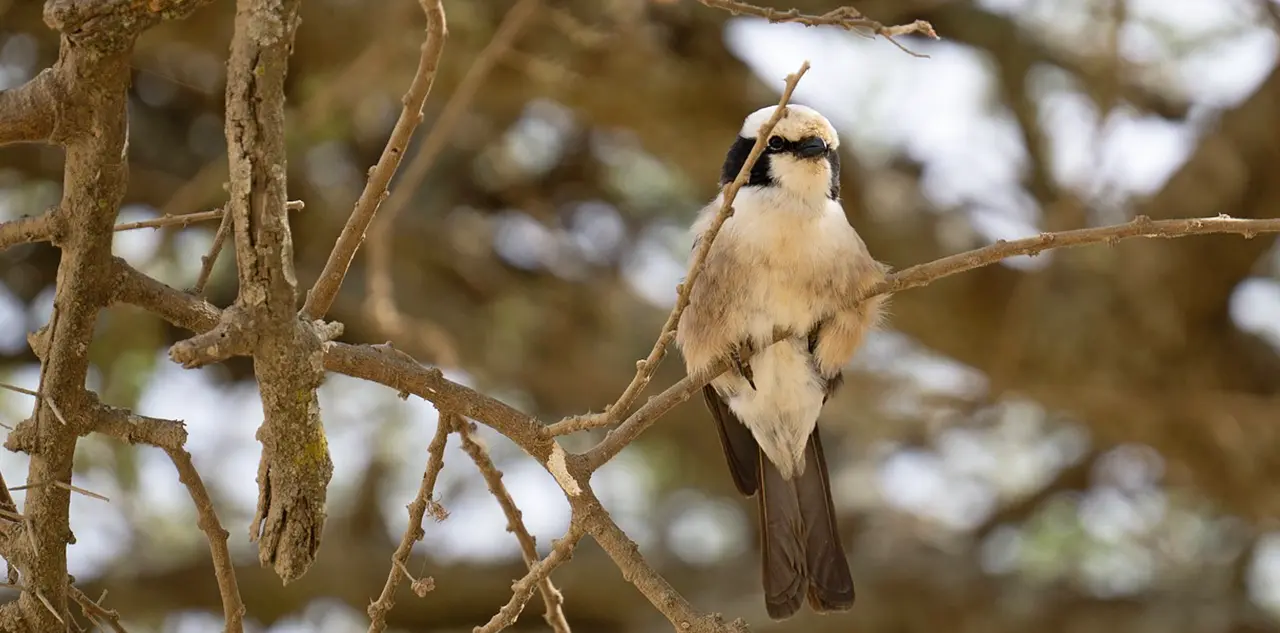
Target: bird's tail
(801, 552)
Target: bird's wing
(740, 448)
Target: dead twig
(219, 237)
(847, 18)
(1140, 226)
(208, 260)
(380, 304)
(539, 571)
(207, 520)
(64, 485)
(98, 614)
(413, 532)
(325, 290)
(551, 597)
(171, 436)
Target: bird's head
(801, 154)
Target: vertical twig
(413, 532)
(322, 294)
(551, 596)
(223, 567)
(380, 303)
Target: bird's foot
(743, 368)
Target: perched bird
(787, 262)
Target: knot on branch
(106, 28)
(231, 337)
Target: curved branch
(325, 290)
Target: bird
(786, 263)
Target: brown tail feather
(801, 552)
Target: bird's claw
(743, 368)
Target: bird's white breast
(787, 244)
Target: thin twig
(846, 18)
(522, 590)
(320, 297)
(18, 389)
(65, 486)
(207, 520)
(191, 218)
(100, 615)
(1140, 226)
(551, 597)
(413, 532)
(219, 238)
(170, 220)
(215, 249)
(57, 413)
(646, 368)
(381, 302)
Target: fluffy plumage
(786, 261)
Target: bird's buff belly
(783, 408)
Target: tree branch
(551, 597)
(418, 508)
(380, 304)
(1141, 226)
(171, 437)
(325, 290)
(83, 100)
(396, 370)
(539, 574)
(295, 467)
(847, 18)
(30, 110)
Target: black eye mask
(807, 147)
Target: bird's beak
(811, 147)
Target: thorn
(49, 606)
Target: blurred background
(1082, 441)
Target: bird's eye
(776, 143)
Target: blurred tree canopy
(1086, 440)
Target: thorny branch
(171, 437)
(551, 596)
(539, 573)
(79, 103)
(396, 370)
(325, 290)
(380, 304)
(847, 18)
(418, 509)
(291, 352)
